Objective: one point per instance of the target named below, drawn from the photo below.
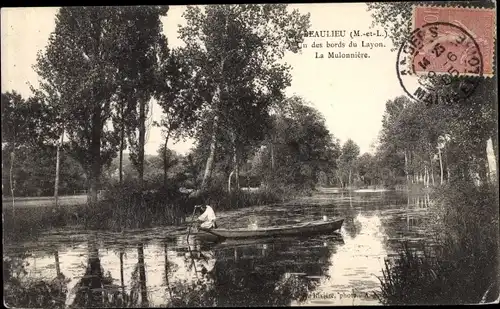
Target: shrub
(27, 222)
(125, 206)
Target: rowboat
(314, 227)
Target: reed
(463, 268)
(26, 223)
(22, 292)
(123, 207)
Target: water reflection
(108, 270)
(94, 289)
(273, 273)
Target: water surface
(160, 266)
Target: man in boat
(207, 217)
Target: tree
(26, 125)
(78, 64)
(304, 144)
(365, 167)
(34, 173)
(177, 94)
(89, 61)
(168, 160)
(347, 160)
(236, 47)
(144, 43)
(469, 125)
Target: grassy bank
(27, 222)
(464, 268)
(21, 202)
(122, 207)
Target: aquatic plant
(464, 267)
(29, 221)
(20, 291)
(124, 207)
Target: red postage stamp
(447, 53)
(475, 25)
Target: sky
(350, 93)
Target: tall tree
(144, 43)
(469, 126)
(347, 160)
(93, 55)
(49, 94)
(79, 63)
(304, 144)
(177, 92)
(237, 46)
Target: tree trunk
(11, 177)
(411, 170)
(58, 160)
(492, 166)
(494, 136)
(211, 155)
(95, 154)
(494, 141)
(341, 182)
(426, 176)
(165, 163)
(432, 170)
(236, 163)
(217, 97)
(142, 275)
(122, 143)
(142, 138)
(406, 169)
(58, 266)
(350, 178)
(272, 155)
(441, 165)
(229, 181)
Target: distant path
(44, 201)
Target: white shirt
(208, 216)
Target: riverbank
(43, 201)
(464, 267)
(326, 264)
(120, 209)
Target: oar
(192, 221)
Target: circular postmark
(439, 63)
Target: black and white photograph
(258, 154)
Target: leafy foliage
(302, 147)
(234, 51)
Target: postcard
(280, 154)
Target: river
(156, 267)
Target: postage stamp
(478, 23)
(446, 54)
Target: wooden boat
(315, 227)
